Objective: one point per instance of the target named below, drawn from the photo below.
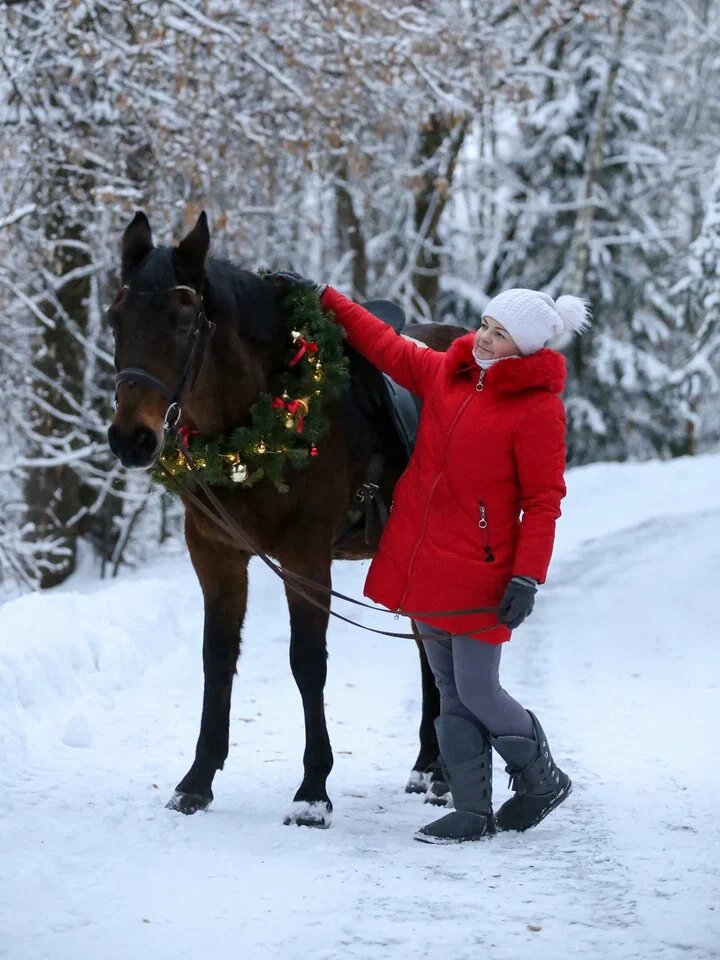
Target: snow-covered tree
(585, 176)
(434, 153)
(698, 378)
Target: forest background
(431, 152)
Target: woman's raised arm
(409, 364)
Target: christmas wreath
(284, 428)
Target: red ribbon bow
(306, 346)
(185, 433)
(292, 406)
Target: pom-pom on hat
(532, 318)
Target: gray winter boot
(467, 761)
(539, 784)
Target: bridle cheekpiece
(202, 332)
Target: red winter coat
(480, 456)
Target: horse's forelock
(155, 274)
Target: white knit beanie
(532, 318)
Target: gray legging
(467, 676)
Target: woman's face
(492, 342)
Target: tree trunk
(350, 232)
(58, 502)
(582, 234)
(434, 180)
(52, 494)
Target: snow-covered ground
(100, 685)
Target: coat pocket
(483, 524)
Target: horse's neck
(231, 378)
(234, 370)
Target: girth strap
(367, 494)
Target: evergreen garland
(284, 429)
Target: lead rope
(228, 523)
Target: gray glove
(518, 601)
(288, 276)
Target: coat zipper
(429, 500)
(480, 386)
(483, 524)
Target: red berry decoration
(313, 450)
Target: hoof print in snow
(418, 782)
(188, 803)
(310, 813)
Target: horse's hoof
(438, 794)
(310, 813)
(188, 803)
(418, 782)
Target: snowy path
(99, 700)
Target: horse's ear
(193, 250)
(136, 243)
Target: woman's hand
(288, 276)
(517, 602)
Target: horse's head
(160, 330)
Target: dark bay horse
(154, 319)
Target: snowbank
(100, 688)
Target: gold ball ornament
(260, 447)
(289, 421)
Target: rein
(224, 519)
(293, 581)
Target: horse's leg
(308, 661)
(223, 578)
(426, 775)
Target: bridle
(222, 517)
(201, 333)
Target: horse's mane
(243, 297)
(233, 297)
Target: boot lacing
(540, 772)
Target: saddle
(402, 406)
(381, 420)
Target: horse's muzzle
(139, 448)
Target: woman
(472, 525)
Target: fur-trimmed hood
(544, 370)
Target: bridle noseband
(202, 331)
